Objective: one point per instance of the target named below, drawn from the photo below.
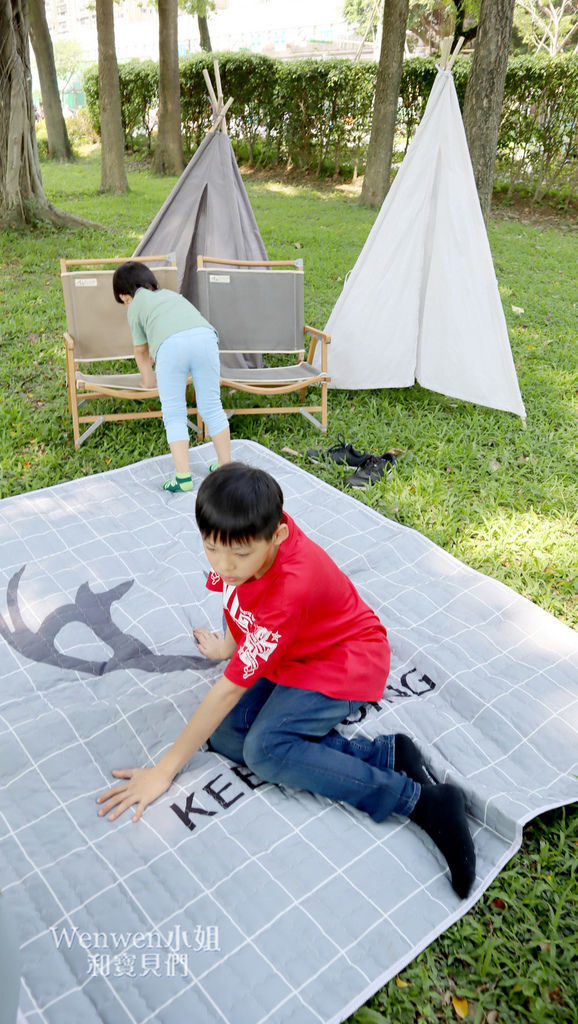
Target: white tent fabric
(208, 212)
(422, 301)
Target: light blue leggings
(195, 352)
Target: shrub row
(316, 114)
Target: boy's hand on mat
(143, 785)
(210, 644)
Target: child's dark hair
(130, 276)
(239, 503)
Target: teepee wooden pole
(219, 111)
(445, 47)
(220, 122)
(213, 98)
(218, 79)
(459, 45)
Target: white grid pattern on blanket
(298, 888)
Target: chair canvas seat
(271, 374)
(98, 331)
(258, 307)
(116, 381)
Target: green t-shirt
(154, 316)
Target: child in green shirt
(170, 334)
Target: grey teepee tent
(422, 301)
(208, 211)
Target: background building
(274, 27)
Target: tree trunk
(380, 152)
(204, 37)
(22, 196)
(59, 147)
(168, 158)
(459, 31)
(112, 171)
(485, 93)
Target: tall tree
(463, 14)
(168, 158)
(363, 15)
(22, 196)
(551, 27)
(485, 93)
(380, 151)
(204, 8)
(204, 35)
(201, 10)
(112, 172)
(68, 60)
(428, 23)
(59, 147)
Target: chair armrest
(319, 335)
(325, 340)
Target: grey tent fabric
(208, 213)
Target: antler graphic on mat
(92, 610)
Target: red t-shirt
(303, 624)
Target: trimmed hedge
(315, 115)
(538, 141)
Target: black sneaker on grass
(342, 453)
(371, 470)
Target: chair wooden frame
(260, 386)
(81, 387)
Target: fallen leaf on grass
(492, 1017)
(556, 996)
(517, 309)
(291, 451)
(498, 903)
(460, 1006)
(400, 982)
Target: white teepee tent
(422, 301)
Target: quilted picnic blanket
(233, 900)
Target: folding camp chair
(98, 330)
(257, 306)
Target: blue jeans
(195, 352)
(287, 735)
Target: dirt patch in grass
(548, 214)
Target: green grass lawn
(501, 498)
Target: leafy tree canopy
(67, 59)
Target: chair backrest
(253, 309)
(97, 323)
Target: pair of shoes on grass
(184, 481)
(368, 468)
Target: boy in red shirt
(304, 652)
